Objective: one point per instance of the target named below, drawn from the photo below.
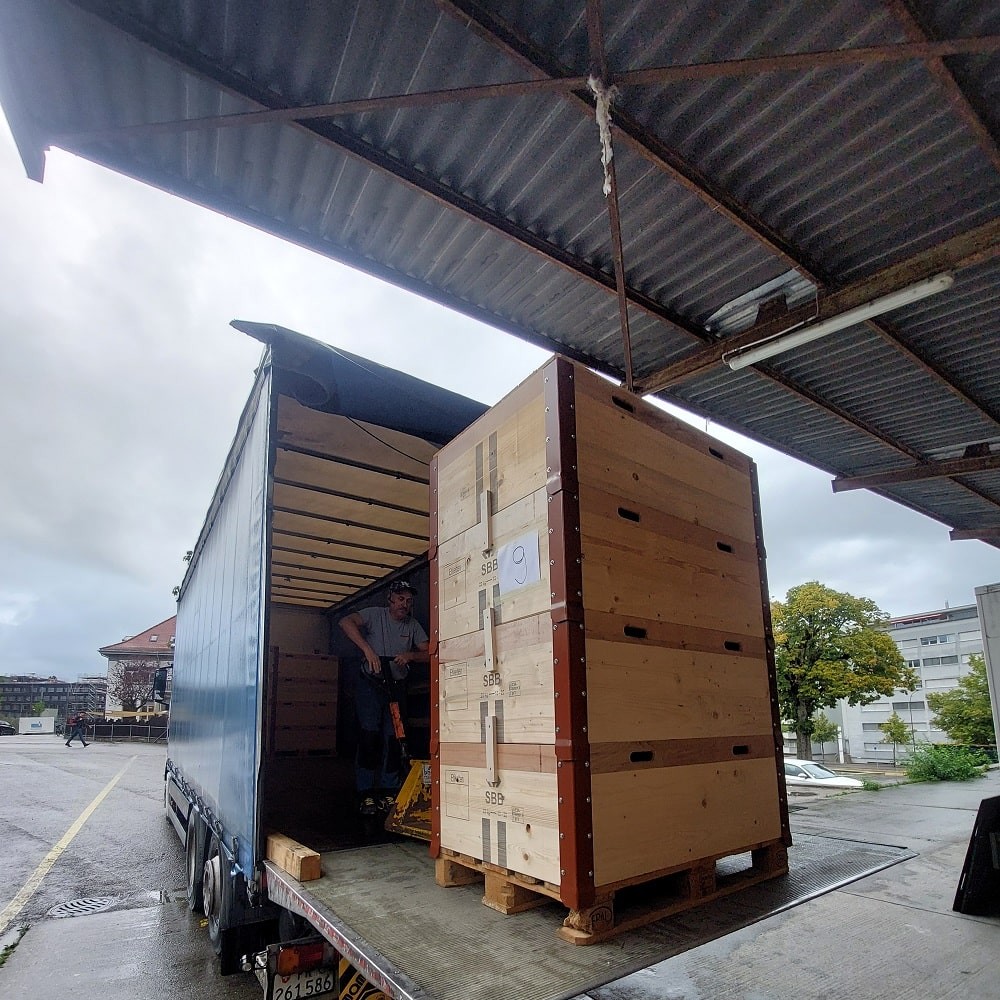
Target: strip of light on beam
(788, 340)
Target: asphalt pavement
(85, 828)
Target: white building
(937, 644)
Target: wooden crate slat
(638, 692)
(658, 818)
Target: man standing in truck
(389, 638)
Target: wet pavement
(890, 935)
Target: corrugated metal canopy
(774, 165)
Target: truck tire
(194, 854)
(217, 893)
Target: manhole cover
(78, 907)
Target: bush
(871, 786)
(945, 762)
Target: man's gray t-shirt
(389, 637)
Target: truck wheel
(194, 852)
(217, 893)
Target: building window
(970, 636)
(905, 706)
(153, 638)
(936, 640)
(932, 661)
(870, 727)
(949, 659)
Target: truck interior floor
(455, 948)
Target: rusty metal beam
(926, 470)
(916, 33)
(972, 247)
(925, 50)
(985, 533)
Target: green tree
(37, 707)
(831, 645)
(894, 731)
(824, 731)
(964, 713)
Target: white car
(807, 772)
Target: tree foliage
(895, 731)
(831, 645)
(130, 683)
(824, 731)
(964, 713)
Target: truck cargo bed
(381, 907)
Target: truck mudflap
(377, 974)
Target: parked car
(807, 772)
(6, 729)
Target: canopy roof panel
(774, 165)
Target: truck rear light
(294, 958)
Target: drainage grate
(79, 907)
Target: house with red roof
(132, 663)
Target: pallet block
(604, 707)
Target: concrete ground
(890, 935)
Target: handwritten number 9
(520, 564)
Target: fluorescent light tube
(786, 341)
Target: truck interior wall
(308, 787)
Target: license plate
(304, 984)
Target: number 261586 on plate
(304, 984)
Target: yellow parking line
(15, 906)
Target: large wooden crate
(604, 705)
(303, 703)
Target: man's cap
(400, 585)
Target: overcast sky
(121, 383)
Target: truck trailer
(333, 490)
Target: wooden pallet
(619, 909)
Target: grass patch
(7, 951)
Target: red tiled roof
(144, 642)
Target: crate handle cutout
(634, 632)
(733, 647)
(640, 756)
(741, 750)
(623, 404)
(491, 751)
(724, 546)
(629, 515)
(717, 454)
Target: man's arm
(353, 626)
(419, 655)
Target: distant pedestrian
(79, 726)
